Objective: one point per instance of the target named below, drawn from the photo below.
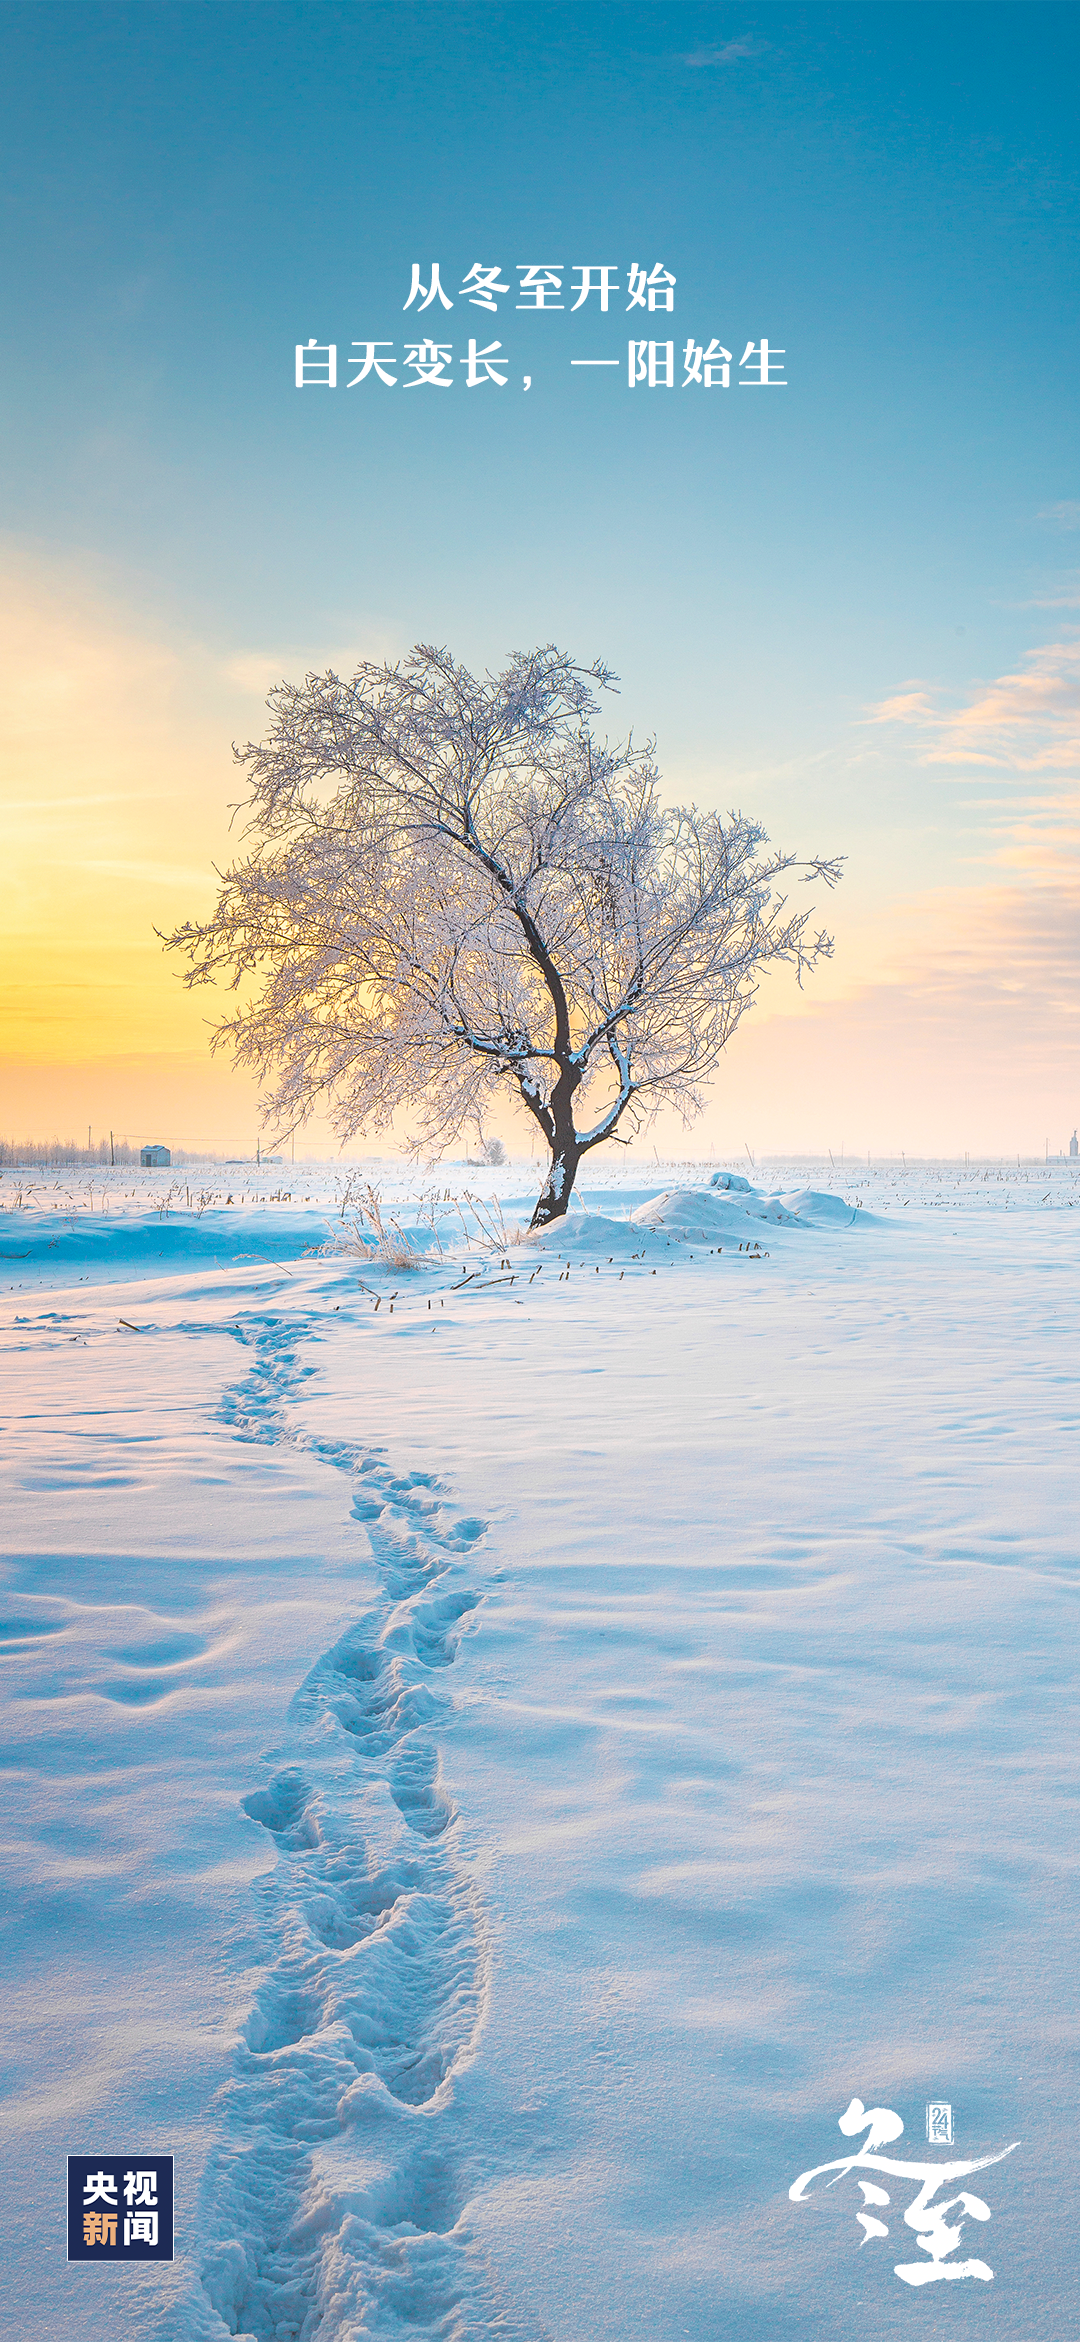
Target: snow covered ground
(502, 1751)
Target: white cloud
(1027, 721)
(727, 53)
(1065, 515)
(1067, 599)
(910, 705)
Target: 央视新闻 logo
(120, 2207)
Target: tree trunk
(555, 1193)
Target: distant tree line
(54, 1154)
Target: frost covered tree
(452, 889)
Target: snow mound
(680, 1215)
(708, 1215)
(588, 1236)
(817, 1210)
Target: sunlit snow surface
(502, 1753)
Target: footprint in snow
(379, 1974)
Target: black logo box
(114, 2202)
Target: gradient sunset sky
(849, 605)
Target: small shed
(152, 1158)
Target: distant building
(152, 1158)
(1074, 1149)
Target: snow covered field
(501, 1752)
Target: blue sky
(889, 192)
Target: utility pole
(112, 1151)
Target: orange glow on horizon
(942, 1024)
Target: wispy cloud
(1067, 597)
(974, 946)
(1062, 516)
(727, 53)
(911, 705)
(961, 1031)
(1027, 721)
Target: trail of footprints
(335, 2196)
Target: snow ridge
(332, 2204)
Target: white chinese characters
(936, 2235)
(760, 367)
(651, 362)
(655, 283)
(481, 285)
(427, 363)
(541, 287)
(711, 366)
(369, 362)
(426, 294)
(316, 362)
(541, 283)
(141, 2214)
(140, 2189)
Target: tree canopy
(452, 890)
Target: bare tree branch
(449, 889)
